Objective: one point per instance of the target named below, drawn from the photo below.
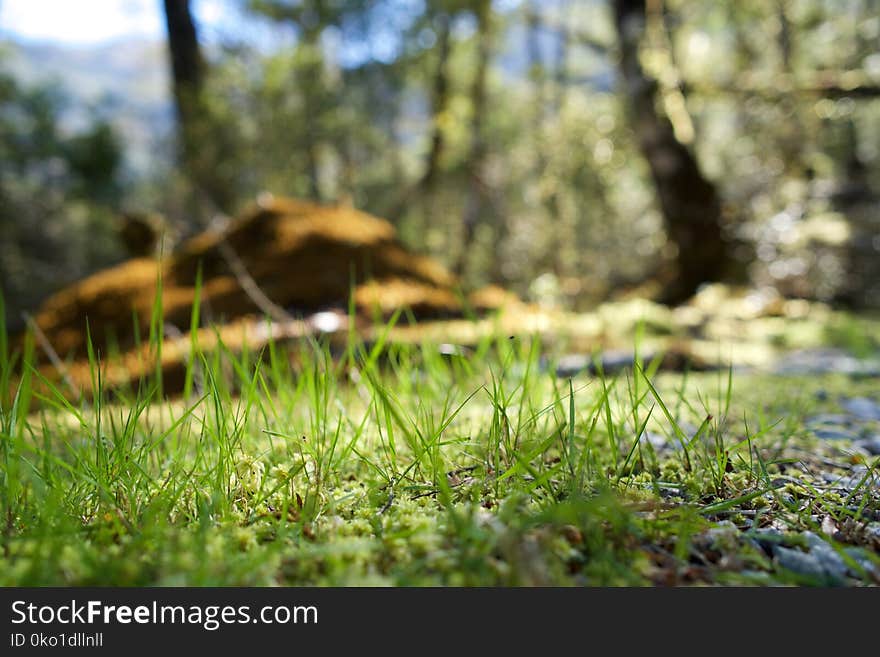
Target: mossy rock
(303, 256)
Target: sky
(91, 22)
(87, 22)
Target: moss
(320, 249)
(393, 487)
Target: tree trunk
(423, 188)
(562, 243)
(439, 103)
(689, 202)
(187, 66)
(477, 202)
(541, 116)
(200, 151)
(550, 89)
(311, 88)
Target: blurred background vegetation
(570, 150)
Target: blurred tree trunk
(855, 196)
(547, 192)
(187, 65)
(477, 203)
(562, 243)
(689, 202)
(784, 38)
(537, 74)
(550, 89)
(423, 188)
(311, 18)
(198, 156)
(560, 74)
(440, 103)
(311, 88)
(187, 75)
(792, 134)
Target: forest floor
(422, 456)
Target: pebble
(860, 556)
(804, 563)
(613, 361)
(806, 553)
(830, 426)
(870, 445)
(657, 440)
(849, 484)
(833, 561)
(824, 361)
(834, 434)
(617, 360)
(725, 533)
(816, 558)
(828, 558)
(572, 364)
(768, 537)
(828, 418)
(862, 408)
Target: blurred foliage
(359, 103)
(58, 191)
(784, 119)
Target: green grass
(391, 464)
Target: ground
(506, 459)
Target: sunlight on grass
(389, 463)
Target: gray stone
(618, 360)
(829, 426)
(870, 445)
(824, 419)
(612, 361)
(860, 556)
(834, 434)
(862, 408)
(850, 483)
(722, 529)
(823, 361)
(768, 537)
(658, 440)
(799, 562)
(813, 540)
(807, 563)
(831, 561)
(572, 365)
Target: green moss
(425, 471)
